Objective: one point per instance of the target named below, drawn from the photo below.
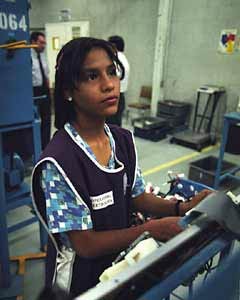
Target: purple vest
(91, 181)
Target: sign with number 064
(12, 22)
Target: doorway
(57, 35)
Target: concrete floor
(155, 159)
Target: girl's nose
(107, 83)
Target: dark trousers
(44, 110)
(117, 118)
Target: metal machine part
(174, 263)
(14, 170)
(203, 239)
(16, 121)
(184, 187)
(16, 95)
(223, 208)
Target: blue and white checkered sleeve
(139, 186)
(63, 208)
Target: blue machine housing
(187, 188)
(19, 134)
(13, 171)
(15, 71)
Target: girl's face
(97, 94)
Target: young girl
(87, 180)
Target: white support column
(161, 45)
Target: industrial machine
(150, 270)
(179, 261)
(208, 231)
(201, 134)
(19, 131)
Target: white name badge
(102, 201)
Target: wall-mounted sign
(227, 43)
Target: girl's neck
(90, 130)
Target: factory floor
(155, 160)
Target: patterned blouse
(64, 211)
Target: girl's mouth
(111, 100)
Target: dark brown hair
(69, 66)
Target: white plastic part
(235, 199)
(149, 187)
(142, 249)
(113, 270)
(181, 175)
(180, 186)
(192, 188)
(156, 190)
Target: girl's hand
(186, 206)
(163, 229)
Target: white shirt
(36, 72)
(124, 81)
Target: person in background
(87, 180)
(119, 44)
(40, 81)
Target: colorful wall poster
(227, 43)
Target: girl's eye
(91, 76)
(112, 72)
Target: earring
(69, 99)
